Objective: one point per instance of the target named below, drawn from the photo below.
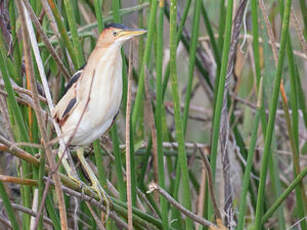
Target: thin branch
(154, 187)
(31, 212)
(210, 183)
(18, 152)
(5, 222)
(17, 180)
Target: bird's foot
(96, 187)
(80, 183)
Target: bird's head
(118, 33)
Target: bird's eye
(114, 34)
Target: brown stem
(210, 184)
(128, 165)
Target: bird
(92, 97)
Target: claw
(96, 187)
(102, 196)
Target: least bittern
(93, 96)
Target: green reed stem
(193, 47)
(63, 32)
(185, 42)
(242, 209)
(284, 195)
(74, 33)
(141, 39)
(220, 92)
(249, 164)
(146, 58)
(99, 163)
(16, 51)
(293, 135)
(115, 8)
(216, 51)
(18, 118)
(221, 31)
(118, 165)
(52, 213)
(41, 183)
(158, 112)
(98, 5)
(178, 122)
(271, 122)
(293, 130)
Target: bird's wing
(68, 102)
(73, 79)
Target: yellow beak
(132, 32)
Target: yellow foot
(102, 196)
(83, 187)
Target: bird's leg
(72, 173)
(95, 183)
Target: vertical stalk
(128, 155)
(211, 35)
(118, 164)
(158, 113)
(63, 32)
(293, 130)
(74, 33)
(221, 25)
(246, 178)
(141, 39)
(193, 47)
(115, 8)
(16, 53)
(220, 93)
(99, 18)
(99, 163)
(146, 58)
(178, 122)
(249, 162)
(271, 122)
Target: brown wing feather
(68, 102)
(73, 80)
